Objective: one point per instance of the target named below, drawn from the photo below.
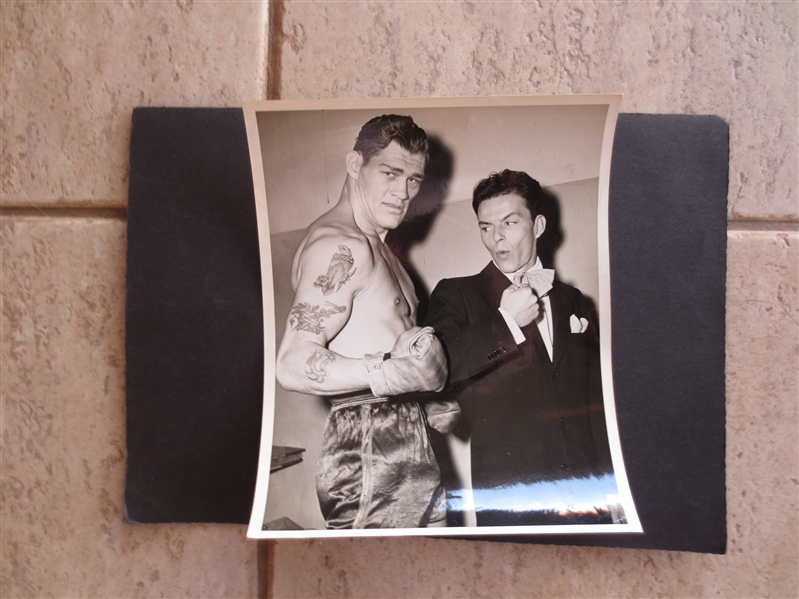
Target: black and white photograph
(437, 318)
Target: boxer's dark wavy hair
(382, 130)
(508, 182)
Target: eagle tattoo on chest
(339, 271)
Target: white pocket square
(577, 325)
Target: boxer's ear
(354, 163)
(539, 226)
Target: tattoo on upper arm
(315, 366)
(305, 317)
(339, 271)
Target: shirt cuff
(515, 330)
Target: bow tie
(538, 279)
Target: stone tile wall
(71, 74)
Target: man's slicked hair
(382, 130)
(510, 182)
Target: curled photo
(436, 309)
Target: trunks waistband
(350, 400)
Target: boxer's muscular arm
(331, 271)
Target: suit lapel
(560, 324)
(532, 333)
(495, 283)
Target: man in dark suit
(523, 352)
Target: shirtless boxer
(351, 336)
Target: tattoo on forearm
(315, 366)
(305, 317)
(339, 271)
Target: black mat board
(194, 323)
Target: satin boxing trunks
(377, 468)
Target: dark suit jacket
(531, 418)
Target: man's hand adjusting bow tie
(520, 300)
(539, 280)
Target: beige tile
(737, 60)
(63, 433)
(762, 479)
(73, 71)
(762, 411)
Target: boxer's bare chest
(381, 311)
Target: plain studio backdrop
(303, 155)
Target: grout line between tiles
(266, 568)
(263, 74)
(61, 212)
(122, 214)
(762, 226)
(274, 52)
